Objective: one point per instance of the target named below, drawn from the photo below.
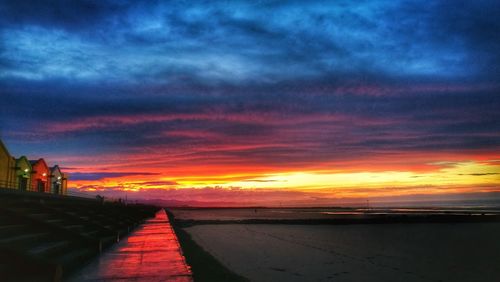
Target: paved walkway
(151, 253)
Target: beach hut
(7, 166)
(23, 174)
(56, 180)
(40, 176)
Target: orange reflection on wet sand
(151, 253)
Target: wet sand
(242, 214)
(354, 252)
(395, 252)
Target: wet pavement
(151, 253)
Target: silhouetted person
(100, 198)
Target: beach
(351, 252)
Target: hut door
(56, 187)
(40, 186)
(23, 183)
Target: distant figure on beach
(100, 198)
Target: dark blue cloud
(428, 73)
(214, 42)
(101, 175)
(76, 15)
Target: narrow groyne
(150, 253)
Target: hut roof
(33, 162)
(2, 146)
(54, 168)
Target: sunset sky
(257, 102)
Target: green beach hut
(23, 173)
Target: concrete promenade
(151, 253)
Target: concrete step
(19, 208)
(74, 227)
(49, 248)
(74, 258)
(92, 234)
(4, 219)
(9, 230)
(41, 216)
(56, 221)
(25, 239)
(109, 240)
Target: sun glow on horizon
(448, 177)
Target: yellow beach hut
(7, 166)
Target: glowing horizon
(440, 178)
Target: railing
(14, 185)
(69, 192)
(8, 184)
(74, 193)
